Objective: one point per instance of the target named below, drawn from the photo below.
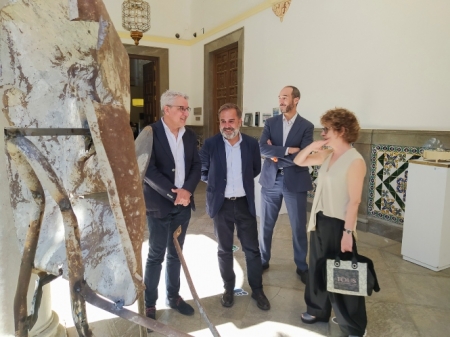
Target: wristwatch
(348, 231)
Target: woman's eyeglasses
(325, 130)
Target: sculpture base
(52, 329)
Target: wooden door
(150, 93)
(225, 81)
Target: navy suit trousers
(271, 199)
(161, 239)
(236, 212)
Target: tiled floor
(413, 301)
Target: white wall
(386, 60)
(207, 14)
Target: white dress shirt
(287, 126)
(177, 148)
(235, 186)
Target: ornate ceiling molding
(280, 8)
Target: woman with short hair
(334, 214)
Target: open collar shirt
(287, 126)
(235, 186)
(177, 148)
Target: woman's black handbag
(348, 273)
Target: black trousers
(235, 212)
(350, 310)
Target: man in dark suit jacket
(169, 184)
(283, 136)
(230, 162)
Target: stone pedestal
(426, 231)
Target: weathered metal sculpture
(75, 174)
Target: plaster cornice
(241, 17)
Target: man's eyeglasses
(181, 108)
(325, 130)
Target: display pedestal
(426, 229)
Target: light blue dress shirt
(235, 186)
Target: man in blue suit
(283, 136)
(230, 162)
(169, 184)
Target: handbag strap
(337, 259)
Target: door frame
(215, 108)
(209, 50)
(157, 79)
(162, 54)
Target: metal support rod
(117, 309)
(32, 162)
(26, 172)
(211, 326)
(43, 279)
(21, 321)
(15, 132)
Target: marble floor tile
(282, 247)
(398, 264)
(375, 240)
(390, 319)
(425, 290)
(281, 273)
(394, 249)
(283, 231)
(283, 219)
(413, 301)
(444, 273)
(277, 329)
(375, 255)
(430, 322)
(390, 290)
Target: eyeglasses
(181, 108)
(325, 130)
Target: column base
(52, 329)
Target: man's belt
(234, 198)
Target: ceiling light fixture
(136, 18)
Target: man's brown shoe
(150, 313)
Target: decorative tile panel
(388, 181)
(314, 172)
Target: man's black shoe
(228, 298)
(265, 266)
(150, 312)
(261, 300)
(303, 275)
(179, 304)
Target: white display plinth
(426, 229)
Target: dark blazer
(297, 179)
(214, 171)
(160, 175)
